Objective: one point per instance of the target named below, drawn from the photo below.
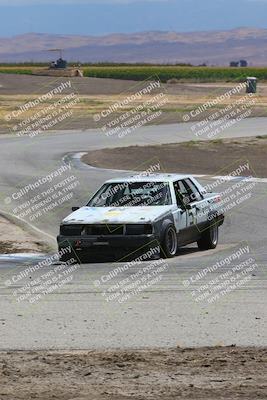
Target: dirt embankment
(206, 373)
(218, 157)
(13, 239)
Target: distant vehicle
(59, 64)
(174, 210)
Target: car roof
(149, 178)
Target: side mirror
(185, 206)
(75, 208)
(188, 206)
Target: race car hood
(114, 215)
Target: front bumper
(102, 242)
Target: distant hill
(216, 47)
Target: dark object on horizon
(59, 64)
(251, 84)
(241, 63)
(234, 64)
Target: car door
(199, 205)
(184, 218)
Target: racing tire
(169, 243)
(209, 238)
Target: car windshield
(132, 194)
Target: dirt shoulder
(13, 239)
(205, 373)
(218, 157)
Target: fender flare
(164, 225)
(216, 218)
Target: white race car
(131, 213)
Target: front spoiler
(102, 242)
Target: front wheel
(209, 238)
(169, 242)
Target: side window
(180, 192)
(192, 190)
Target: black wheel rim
(171, 241)
(214, 234)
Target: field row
(163, 73)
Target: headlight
(139, 229)
(71, 230)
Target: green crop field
(146, 72)
(165, 73)
(16, 70)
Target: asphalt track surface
(166, 313)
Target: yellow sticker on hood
(113, 213)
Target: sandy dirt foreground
(205, 373)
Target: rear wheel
(209, 238)
(169, 242)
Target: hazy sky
(97, 17)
